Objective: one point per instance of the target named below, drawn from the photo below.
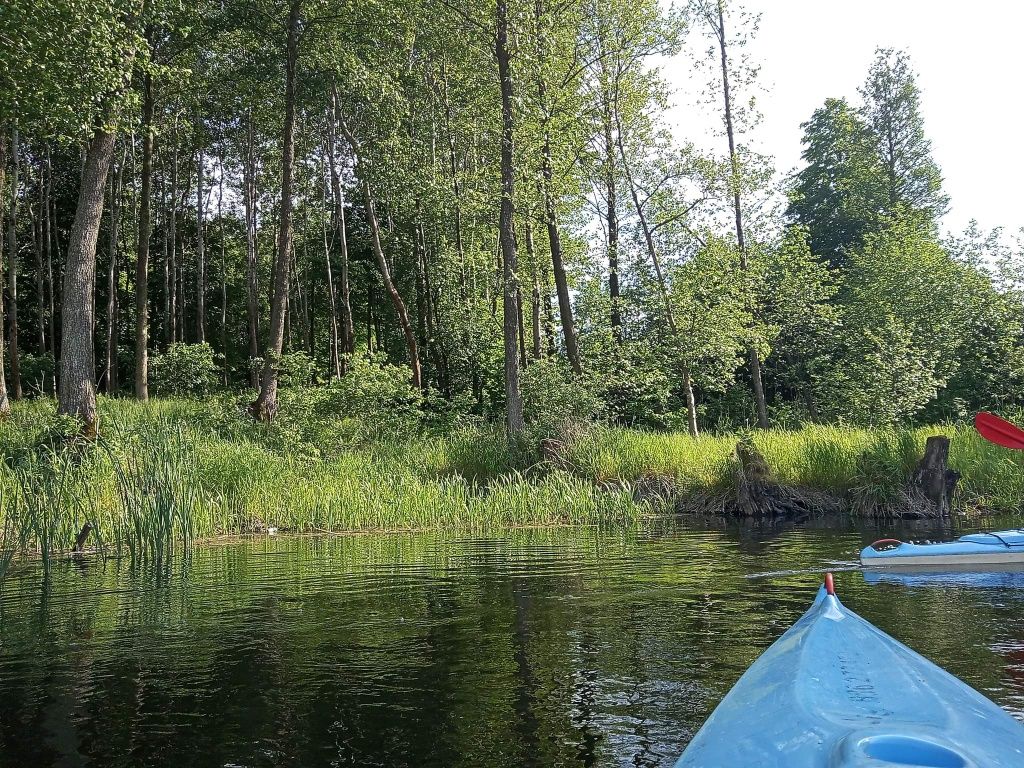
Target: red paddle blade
(999, 431)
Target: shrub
(555, 400)
(377, 394)
(296, 369)
(37, 373)
(184, 369)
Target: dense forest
(485, 200)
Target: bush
(183, 370)
(296, 369)
(37, 373)
(377, 394)
(555, 400)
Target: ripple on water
(549, 647)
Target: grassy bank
(175, 470)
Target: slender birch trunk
(265, 406)
(142, 251)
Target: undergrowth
(172, 471)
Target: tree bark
(535, 303)
(389, 285)
(691, 402)
(223, 268)
(77, 363)
(933, 478)
(331, 296)
(382, 264)
(12, 270)
(113, 280)
(200, 242)
(346, 331)
(5, 404)
(753, 357)
(506, 228)
(51, 236)
(142, 252)
(170, 320)
(252, 286)
(265, 406)
(611, 217)
(550, 213)
(38, 244)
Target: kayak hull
(994, 577)
(836, 692)
(975, 549)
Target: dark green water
(554, 648)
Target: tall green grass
(173, 471)
(868, 465)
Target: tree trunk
(535, 303)
(557, 263)
(5, 404)
(389, 285)
(51, 237)
(142, 253)
(331, 297)
(179, 274)
(346, 331)
(77, 363)
(550, 211)
(170, 323)
(265, 406)
(12, 270)
(506, 228)
(611, 218)
(691, 403)
(38, 244)
(252, 286)
(382, 263)
(752, 355)
(419, 253)
(113, 275)
(223, 269)
(200, 244)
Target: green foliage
(711, 307)
(892, 108)
(557, 402)
(636, 386)
(902, 315)
(296, 369)
(184, 369)
(840, 192)
(376, 394)
(66, 65)
(37, 373)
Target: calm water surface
(546, 648)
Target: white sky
(969, 59)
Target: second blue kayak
(974, 549)
(836, 692)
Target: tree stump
(933, 479)
(758, 494)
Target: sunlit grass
(172, 471)
(845, 460)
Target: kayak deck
(989, 548)
(836, 692)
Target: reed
(169, 472)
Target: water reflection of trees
(540, 648)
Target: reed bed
(173, 471)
